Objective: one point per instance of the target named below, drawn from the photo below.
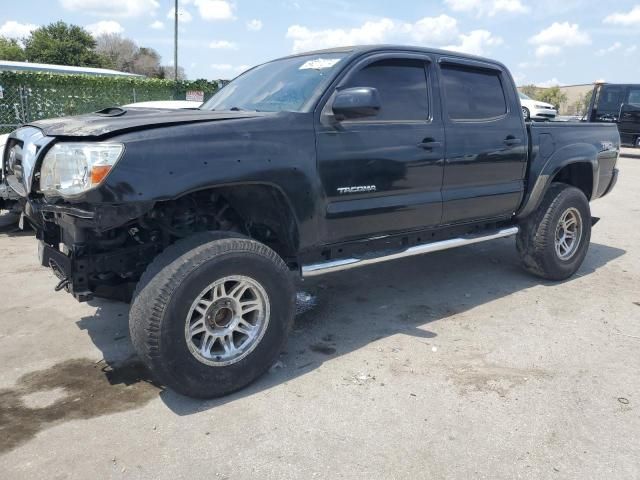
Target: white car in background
(536, 110)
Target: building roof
(6, 65)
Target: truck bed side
(584, 152)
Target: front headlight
(73, 168)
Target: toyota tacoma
(307, 165)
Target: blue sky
(542, 41)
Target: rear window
(473, 94)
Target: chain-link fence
(29, 97)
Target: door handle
(512, 141)
(430, 144)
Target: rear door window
(473, 94)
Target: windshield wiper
(232, 109)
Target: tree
(10, 49)
(63, 44)
(120, 52)
(147, 62)
(586, 101)
(166, 72)
(530, 91)
(125, 55)
(554, 96)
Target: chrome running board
(347, 263)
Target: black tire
(526, 113)
(536, 241)
(167, 290)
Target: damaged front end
(96, 248)
(102, 250)
(96, 251)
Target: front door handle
(429, 144)
(512, 141)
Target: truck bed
(597, 143)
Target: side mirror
(357, 102)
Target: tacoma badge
(357, 189)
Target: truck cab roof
(358, 50)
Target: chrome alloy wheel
(568, 234)
(227, 320)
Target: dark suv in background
(620, 104)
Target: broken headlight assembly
(71, 168)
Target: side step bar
(347, 263)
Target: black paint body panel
(470, 174)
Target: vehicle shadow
(345, 312)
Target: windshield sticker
(319, 64)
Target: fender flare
(541, 177)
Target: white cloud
(628, 19)
(183, 15)
(554, 38)
(16, 30)
(476, 42)
(254, 25)
(432, 31)
(548, 51)
(112, 8)
(554, 82)
(630, 50)
(104, 26)
(223, 45)
(157, 25)
(214, 9)
(563, 34)
(489, 8)
(611, 49)
(370, 32)
(227, 71)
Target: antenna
(175, 43)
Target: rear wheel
(211, 314)
(553, 241)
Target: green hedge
(32, 96)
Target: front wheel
(212, 313)
(526, 114)
(553, 241)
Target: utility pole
(175, 43)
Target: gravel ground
(452, 365)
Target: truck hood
(118, 120)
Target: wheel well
(259, 211)
(266, 215)
(579, 175)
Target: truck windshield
(610, 100)
(288, 84)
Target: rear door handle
(512, 141)
(430, 144)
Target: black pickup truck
(306, 165)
